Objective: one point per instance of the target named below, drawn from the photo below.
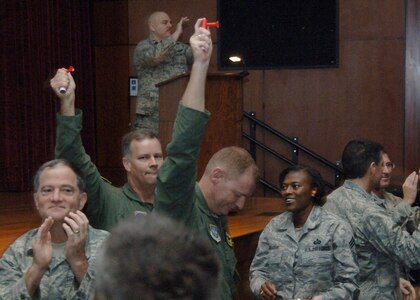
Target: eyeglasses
(389, 165)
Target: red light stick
(62, 89)
(207, 24)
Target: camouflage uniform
(179, 196)
(106, 203)
(175, 62)
(402, 213)
(58, 281)
(321, 261)
(381, 245)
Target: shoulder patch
(214, 233)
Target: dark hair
(138, 135)
(358, 156)
(316, 180)
(154, 257)
(56, 163)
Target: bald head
(159, 25)
(156, 16)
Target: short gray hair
(58, 163)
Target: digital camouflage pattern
(58, 281)
(175, 58)
(318, 261)
(402, 213)
(381, 245)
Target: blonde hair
(234, 160)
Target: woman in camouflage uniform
(306, 252)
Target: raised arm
(64, 79)
(69, 145)
(176, 180)
(179, 28)
(202, 48)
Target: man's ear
(83, 199)
(36, 201)
(373, 167)
(314, 192)
(216, 175)
(152, 28)
(126, 163)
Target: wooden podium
(223, 101)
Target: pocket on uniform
(275, 259)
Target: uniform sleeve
(399, 209)
(12, 283)
(176, 181)
(86, 288)
(389, 238)
(405, 214)
(345, 265)
(258, 272)
(69, 146)
(414, 219)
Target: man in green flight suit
(142, 158)
(228, 180)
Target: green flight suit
(179, 196)
(106, 203)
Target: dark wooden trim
(412, 87)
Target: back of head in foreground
(154, 257)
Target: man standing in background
(156, 59)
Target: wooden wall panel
(111, 22)
(112, 73)
(326, 108)
(112, 109)
(373, 19)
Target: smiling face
(387, 168)
(58, 193)
(144, 161)
(377, 171)
(296, 192)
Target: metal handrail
(254, 142)
(292, 142)
(278, 155)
